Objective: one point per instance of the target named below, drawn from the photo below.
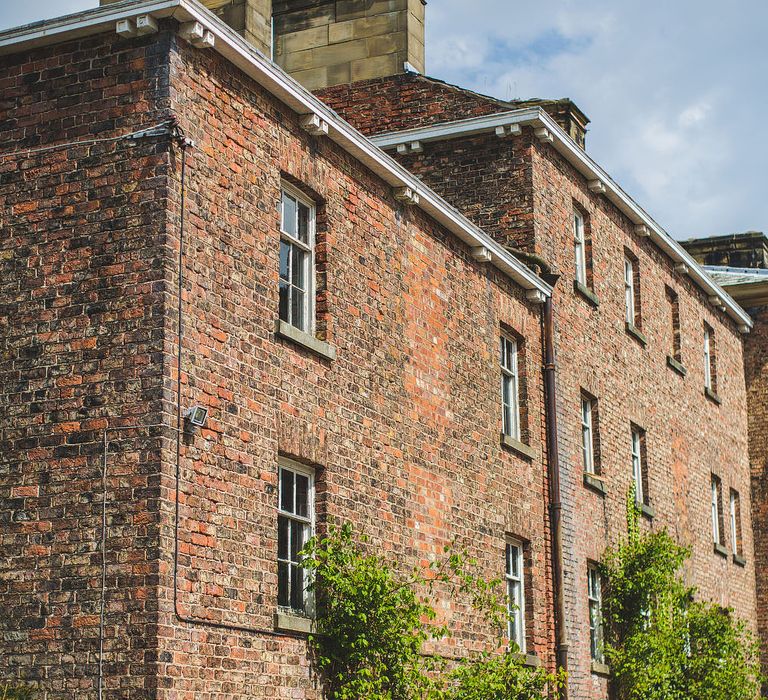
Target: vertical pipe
(555, 500)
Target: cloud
(674, 91)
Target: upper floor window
(295, 526)
(631, 291)
(510, 387)
(710, 361)
(639, 466)
(297, 241)
(717, 511)
(595, 597)
(515, 576)
(675, 346)
(580, 248)
(589, 434)
(736, 538)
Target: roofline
(247, 58)
(755, 293)
(578, 158)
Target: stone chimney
(747, 250)
(328, 42)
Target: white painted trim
(251, 61)
(576, 156)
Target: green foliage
(661, 643)
(372, 624)
(16, 691)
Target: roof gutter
(508, 123)
(253, 63)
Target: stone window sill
(530, 660)
(586, 292)
(286, 621)
(647, 511)
(739, 560)
(636, 333)
(519, 447)
(600, 669)
(672, 363)
(596, 483)
(319, 347)
(711, 395)
(721, 550)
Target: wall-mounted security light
(196, 417)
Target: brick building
(739, 263)
(186, 226)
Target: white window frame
(510, 387)
(308, 521)
(587, 435)
(307, 247)
(716, 486)
(707, 358)
(595, 603)
(637, 465)
(515, 552)
(580, 248)
(629, 291)
(733, 498)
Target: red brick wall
(81, 321)
(756, 367)
(405, 102)
(687, 435)
(403, 426)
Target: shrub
(372, 624)
(662, 643)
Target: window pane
(297, 587)
(285, 254)
(285, 301)
(283, 533)
(286, 490)
(303, 223)
(283, 585)
(298, 315)
(289, 214)
(302, 495)
(297, 540)
(514, 561)
(299, 266)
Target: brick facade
(399, 418)
(524, 193)
(738, 262)
(402, 427)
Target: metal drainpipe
(553, 470)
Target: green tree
(371, 624)
(662, 643)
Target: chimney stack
(329, 42)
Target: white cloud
(675, 92)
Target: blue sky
(676, 90)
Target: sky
(676, 89)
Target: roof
(272, 78)
(749, 286)
(726, 276)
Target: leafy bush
(662, 643)
(372, 624)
